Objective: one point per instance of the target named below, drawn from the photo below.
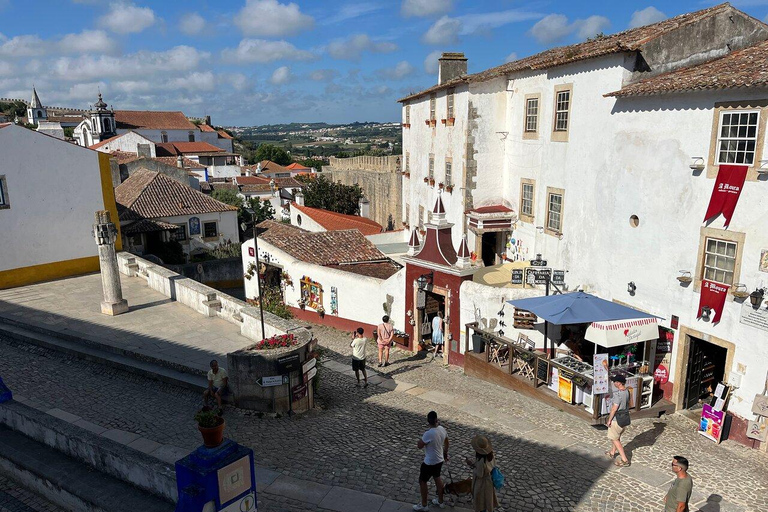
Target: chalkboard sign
(536, 275)
(558, 276)
(288, 363)
(517, 276)
(542, 370)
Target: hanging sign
(757, 318)
(712, 295)
(600, 374)
(661, 374)
(760, 405)
(711, 424)
(725, 195)
(757, 429)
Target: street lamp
(421, 282)
(756, 297)
(258, 275)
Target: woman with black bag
(618, 420)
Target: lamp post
(258, 275)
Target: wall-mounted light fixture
(740, 291)
(763, 167)
(697, 163)
(685, 276)
(425, 279)
(705, 312)
(631, 287)
(756, 297)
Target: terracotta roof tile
(745, 68)
(295, 166)
(123, 157)
(148, 194)
(205, 128)
(333, 221)
(259, 187)
(382, 270)
(186, 162)
(626, 41)
(180, 148)
(152, 120)
(224, 135)
(147, 226)
(251, 180)
(288, 183)
(326, 247)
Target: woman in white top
(437, 334)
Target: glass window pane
(731, 250)
(710, 260)
(709, 274)
(711, 244)
(753, 118)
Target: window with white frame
(737, 137)
(719, 260)
(180, 234)
(532, 115)
(432, 101)
(408, 114)
(431, 174)
(555, 212)
(4, 193)
(449, 101)
(562, 109)
(210, 230)
(448, 173)
(526, 200)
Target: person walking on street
(483, 492)
(618, 420)
(680, 491)
(435, 444)
(358, 355)
(437, 334)
(384, 334)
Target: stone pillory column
(105, 233)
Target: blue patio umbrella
(577, 308)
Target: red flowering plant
(277, 341)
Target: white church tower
(99, 126)
(36, 112)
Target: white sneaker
(437, 503)
(418, 508)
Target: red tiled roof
(278, 229)
(180, 148)
(626, 41)
(295, 166)
(259, 187)
(205, 128)
(123, 157)
(147, 194)
(495, 208)
(326, 247)
(251, 180)
(382, 270)
(186, 162)
(288, 183)
(745, 68)
(147, 226)
(333, 221)
(152, 120)
(224, 135)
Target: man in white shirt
(358, 355)
(217, 383)
(435, 442)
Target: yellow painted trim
(47, 271)
(108, 193)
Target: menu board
(600, 372)
(542, 370)
(711, 424)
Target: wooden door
(693, 378)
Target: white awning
(622, 332)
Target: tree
(320, 192)
(273, 153)
(262, 209)
(228, 197)
(313, 162)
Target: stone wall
(380, 179)
(221, 273)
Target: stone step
(69, 483)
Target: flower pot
(478, 344)
(441, 186)
(449, 188)
(432, 183)
(213, 437)
(426, 180)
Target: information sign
(288, 363)
(517, 276)
(711, 424)
(558, 276)
(538, 262)
(275, 380)
(601, 377)
(310, 375)
(234, 479)
(299, 392)
(537, 275)
(308, 365)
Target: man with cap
(483, 492)
(618, 420)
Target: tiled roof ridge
(322, 217)
(604, 46)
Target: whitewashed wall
(128, 143)
(156, 135)
(227, 226)
(304, 221)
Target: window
(449, 101)
(4, 194)
(448, 171)
(554, 211)
(562, 106)
(407, 162)
(180, 234)
(432, 101)
(407, 213)
(210, 230)
(532, 115)
(431, 174)
(421, 217)
(737, 137)
(191, 136)
(408, 115)
(163, 137)
(719, 260)
(527, 195)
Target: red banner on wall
(713, 295)
(725, 195)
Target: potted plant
(441, 185)
(428, 122)
(431, 182)
(449, 188)
(302, 303)
(451, 121)
(433, 122)
(426, 180)
(211, 426)
(321, 311)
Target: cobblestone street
(364, 439)
(14, 498)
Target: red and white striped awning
(622, 332)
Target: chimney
(180, 161)
(299, 197)
(450, 66)
(365, 208)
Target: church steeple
(36, 111)
(102, 121)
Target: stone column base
(116, 308)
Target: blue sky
(249, 62)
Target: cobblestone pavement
(14, 498)
(364, 439)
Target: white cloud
(431, 63)
(5, 68)
(423, 8)
(281, 75)
(511, 57)
(354, 46)
(401, 70)
(352, 11)
(323, 75)
(269, 18)
(591, 26)
(88, 41)
(646, 17)
(443, 31)
(198, 81)
(262, 51)
(24, 46)
(127, 18)
(192, 24)
(481, 23)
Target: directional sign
(288, 363)
(266, 382)
(310, 374)
(308, 365)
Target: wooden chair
(500, 354)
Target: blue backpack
(498, 478)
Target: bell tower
(36, 112)
(102, 121)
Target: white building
(49, 193)
(602, 157)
